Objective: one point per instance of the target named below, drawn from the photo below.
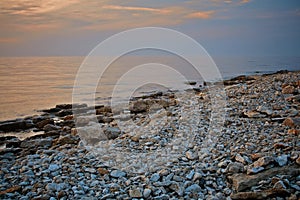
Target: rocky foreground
(255, 155)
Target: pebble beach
(254, 155)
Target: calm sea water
(28, 84)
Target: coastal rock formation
(254, 155)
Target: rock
(282, 160)
(288, 89)
(36, 143)
(254, 170)
(259, 194)
(67, 139)
(90, 170)
(13, 189)
(295, 132)
(155, 177)
(234, 168)
(147, 193)
(264, 161)
(135, 193)
(280, 145)
(279, 185)
(195, 188)
(298, 160)
(254, 114)
(292, 122)
(102, 171)
(103, 110)
(43, 123)
(190, 175)
(241, 182)
(191, 155)
(53, 167)
(177, 188)
(112, 132)
(9, 126)
(51, 127)
(240, 159)
(117, 174)
(139, 107)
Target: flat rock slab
(242, 182)
(260, 195)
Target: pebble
(117, 174)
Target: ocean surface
(29, 84)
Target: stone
(67, 139)
(43, 123)
(195, 188)
(112, 132)
(147, 193)
(282, 160)
(139, 107)
(279, 185)
(191, 155)
(298, 160)
(53, 167)
(155, 177)
(11, 190)
(254, 170)
(51, 127)
(259, 194)
(117, 174)
(102, 171)
(235, 167)
(8, 126)
(254, 114)
(242, 182)
(177, 188)
(280, 145)
(288, 89)
(240, 159)
(291, 122)
(135, 193)
(264, 161)
(295, 132)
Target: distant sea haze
(28, 84)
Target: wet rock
(280, 145)
(9, 126)
(240, 159)
(11, 190)
(176, 187)
(35, 143)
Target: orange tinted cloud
(131, 8)
(201, 14)
(9, 40)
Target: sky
(222, 27)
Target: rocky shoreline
(256, 154)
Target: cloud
(9, 40)
(201, 14)
(131, 8)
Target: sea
(31, 84)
